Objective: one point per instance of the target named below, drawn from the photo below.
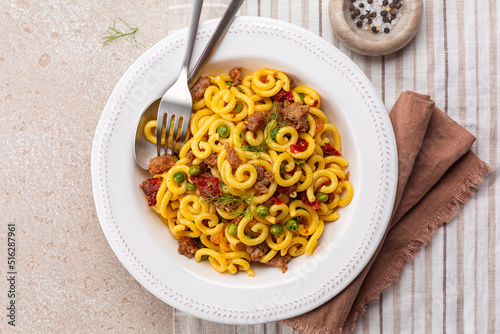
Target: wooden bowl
(369, 43)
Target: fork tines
(169, 131)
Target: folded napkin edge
(418, 95)
(473, 179)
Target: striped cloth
(451, 284)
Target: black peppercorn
(388, 12)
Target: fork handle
(193, 27)
(214, 41)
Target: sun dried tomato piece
(283, 95)
(208, 186)
(150, 188)
(301, 146)
(276, 200)
(315, 205)
(287, 190)
(330, 150)
(331, 197)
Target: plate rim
(191, 306)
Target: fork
(209, 49)
(176, 103)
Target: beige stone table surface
(55, 79)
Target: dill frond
(229, 198)
(114, 33)
(249, 211)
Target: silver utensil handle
(214, 41)
(193, 27)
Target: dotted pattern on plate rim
(348, 72)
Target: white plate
(144, 244)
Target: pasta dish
(260, 175)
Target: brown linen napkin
(437, 173)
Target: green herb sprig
(114, 33)
(250, 210)
(228, 198)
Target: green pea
(282, 168)
(239, 89)
(229, 83)
(176, 158)
(204, 257)
(262, 211)
(194, 170)
(179, 177)
(322, 197)
(249, 236)
(223, 130)
(274, 133)
(292, 225)
(300, 162)
(276, 229)
(191, 187)
(239, 107)
(301, 97)
(232, 229)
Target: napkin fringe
(306, 328)
(448, 211)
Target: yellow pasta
(260, 175)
